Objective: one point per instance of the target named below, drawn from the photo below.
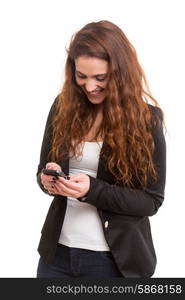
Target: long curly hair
(127, 123)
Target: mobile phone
(55, 173)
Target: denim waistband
(83, 249)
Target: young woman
(105, 135)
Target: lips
(95, 93)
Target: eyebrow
(102, 74)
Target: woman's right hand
(47, 180)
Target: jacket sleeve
(133, 202)
(46, 146)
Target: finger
(49, 166)
(78, 178)
(52, 190)
(53, 166)
(62, 189)
(47, 179)
(48, 187)
(74, 179)
(69, 184)
(49, 184)
(59, 191)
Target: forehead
(91, 65)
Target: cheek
(104, 85)
(78, 81)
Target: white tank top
(82, 227)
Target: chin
(96, 101)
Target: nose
(90, 86)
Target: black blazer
(123, 212)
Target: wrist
(83, 198)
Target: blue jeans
(76, 262)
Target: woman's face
(92, 76)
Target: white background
(33, 38)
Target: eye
(100, 79)
(80, 76)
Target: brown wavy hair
(128, 121)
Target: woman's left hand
(75, 187)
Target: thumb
(54, 166)
(75, 178)
(79, 177)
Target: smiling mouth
(95, 93)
